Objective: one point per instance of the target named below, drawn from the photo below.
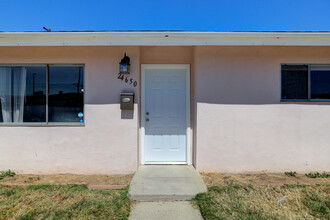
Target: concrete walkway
(166, 183)
(165, 211)
(162, 190)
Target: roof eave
(163, 38)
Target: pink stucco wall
(241, 124)
(108, 142)
(238, 122)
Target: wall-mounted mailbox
(127, 101)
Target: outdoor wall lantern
(124, 65)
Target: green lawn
(62, 202)
(251, 202)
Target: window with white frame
(305, 82)
(41, 94)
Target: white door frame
(188, 130)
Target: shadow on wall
(243, 90)
(252, 75)
(127, 114)
(107, 89)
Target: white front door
(165, 113)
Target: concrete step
(166, 183)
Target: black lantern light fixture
(124, 65)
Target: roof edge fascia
(164, 38)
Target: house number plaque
(126, 79)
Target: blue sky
(193, 15)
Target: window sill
(305, 101)
(42, 125)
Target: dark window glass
(320, 84)
(35, 95)
(65, 101)
(294, 82)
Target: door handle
(147, 119)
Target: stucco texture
(241, 124)
(107, 144)
(237, 120)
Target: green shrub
(9, 173)
(318, 175)
(291, 173)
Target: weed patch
(317, 203)
(62, 202)
(291, 173)
(235, 201)
(7, 173)
(318, 175)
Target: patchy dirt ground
(293, 201)
(259, 179)
(69, 179)
(210, 179)
(62, 202)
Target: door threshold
(165, 163)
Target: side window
(320, 82)
(305, 82)
(294, 82)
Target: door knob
(147, 113)
(147, 119)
